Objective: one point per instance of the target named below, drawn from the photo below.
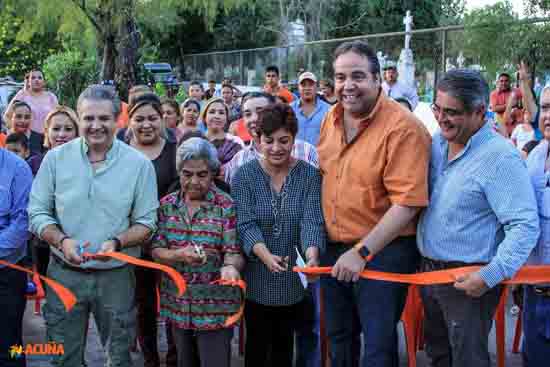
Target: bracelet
(118, 244)
(59, 244)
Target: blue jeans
(308, 345)
(536, 329)
(368, 306)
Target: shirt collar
(365, 121)
(206, 203)
(111, 153)
(298, 104)
(484, 134)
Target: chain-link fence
(435, 50)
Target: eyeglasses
(447, 111)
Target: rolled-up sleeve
(515, 206)
(248, 230)
(15, 234)
(146, 202)
(312, 229)
(42, 196)
(405, 175)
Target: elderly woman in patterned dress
(278, 202)
(197, 236)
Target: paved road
(34, 332)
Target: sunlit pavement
(34, 332)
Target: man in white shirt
(395, 89)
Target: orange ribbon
(171, 272)
(233, 319)
(529, 274)
(66, 296)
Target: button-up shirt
(94, 205)
(301, 150)
(482, 208)
(15, 185)
(400, 90)
(385, 164)
(309, 127)
(541, 184)
(204, 306)
(286, 221)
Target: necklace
(98, 161)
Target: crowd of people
(230, 187)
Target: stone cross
(408, 21)
(460, 60)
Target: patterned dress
(203, 306)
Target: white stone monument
(405, 66)
(381, 60)
(460, 60)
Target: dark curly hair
(277, 116)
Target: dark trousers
(146, 282)
(536, 329)
(269, 334)
(457, 326)
(308, 343)
(368, 306)
(203, 348)
(13, 284)
(42, 258)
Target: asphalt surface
(34, 332)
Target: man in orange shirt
(272, 85)
(374, 158)
(499, 97)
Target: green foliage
(18, 56)
(495, 39)
(181, 95)
(485, 43)
(69, 73)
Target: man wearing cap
(310, 110)
(395, 89)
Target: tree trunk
(127, 60)
(109, 56)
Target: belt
(541, 291)
(78, 269)
(428, 264)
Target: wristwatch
(118, 244)
(362, 249)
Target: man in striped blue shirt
(482, 211)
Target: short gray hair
(97, 92)
(468, 86)
(198, 148)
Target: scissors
(200, 252)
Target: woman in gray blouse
(278, 203)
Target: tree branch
(350, 24)
(273, 30)
(82, 5)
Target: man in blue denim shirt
(482, 211)
(310, 109)
(15, 185)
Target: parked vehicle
(8, 89)
(162, 72)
